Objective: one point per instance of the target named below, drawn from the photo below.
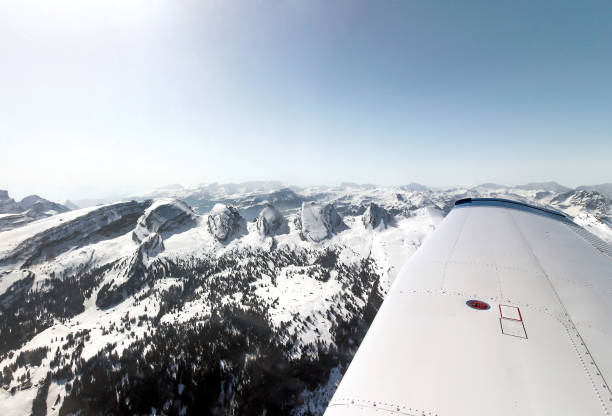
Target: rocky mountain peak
(31, 208)
(604, 189)
(164, 215)
(8, 204)
(318, 221)
(223, 221)
(375, 216)
(30, 200)
(269, 220)
(41, 205)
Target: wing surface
(542, 347)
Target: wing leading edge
(535, 340)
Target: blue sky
(101, 97)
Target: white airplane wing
(506, 309)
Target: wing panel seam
(605, 387)
(379, 405)
(453, 249)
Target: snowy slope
(265, 294)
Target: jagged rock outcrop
(151, 246)
(223, 221)
(100, 223)
(269, 220)
(8, 204)
(375, 217)
(317, 221)
(164, 215)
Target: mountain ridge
(263, 294)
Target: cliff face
(269, 221)
(318, 221)
(8, 204)
(61, 236)
(163, 216)
(224, 221)
(375, 217)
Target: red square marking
(510, 312)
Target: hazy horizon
(112, 97)
(126, 193)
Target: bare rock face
(163, 215)
(8, 204)
(317, 221)
(223, 221)
(101, 223)
(269, 220)
(152, 245)
(375, 217)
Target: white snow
(18, 404)
(11, 238)
(9, 278)
(297, 294)
(294, 294)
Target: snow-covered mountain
(544, 186)
(31, 208)
(219, 299)
(604, 189)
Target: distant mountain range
(31, 208)
(605, 189)
(218, 299)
